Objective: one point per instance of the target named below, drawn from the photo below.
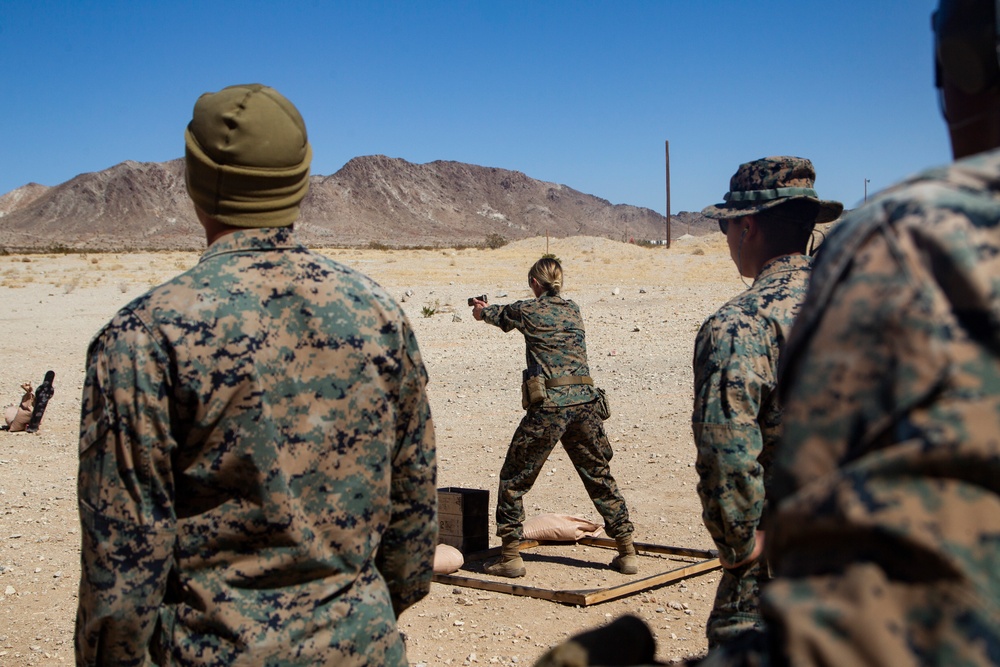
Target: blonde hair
(548, 273)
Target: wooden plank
(647, 547)
(615, 592)
(566, 597)
(587, 597)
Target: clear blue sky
(581, 93)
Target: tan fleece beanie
(247, 157)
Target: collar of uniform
(253, 239)
(783, 264)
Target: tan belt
(568, 379)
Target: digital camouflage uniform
(257, 467)
(886, 535)
(737, 424)
(555, 344)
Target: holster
(532, 386)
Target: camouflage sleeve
(125, 497)
(406, 555)
(507, 317)
(886, 483)
(727, 399)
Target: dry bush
(495, 241)
(12, 279)
(71, 285)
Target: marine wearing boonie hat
(247, 157)
(769, 182)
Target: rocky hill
(371, 200)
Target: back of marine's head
(247, 157)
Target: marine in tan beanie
(246, 493)
(247, 157)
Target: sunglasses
(724, 225)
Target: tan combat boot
(510, 563)
(626, 562)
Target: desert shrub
(431, 310)
(494, 241)
(61, 249)
(71, 285)
(377, 245)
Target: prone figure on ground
(885, 497)
(27, 415)
(257, 477)
(768, 217)
(562, 405)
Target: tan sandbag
(16, 417)
(447, 559)
(559, 527)
(20, 420)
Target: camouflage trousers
(737, 603)
(582, 434)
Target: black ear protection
(967, 44)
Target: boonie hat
(247, 157)
(769, 182)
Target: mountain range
(370, 200)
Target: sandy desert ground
(642, 308)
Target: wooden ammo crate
(463, 518)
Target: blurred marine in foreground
(257, 461)
(885, 530)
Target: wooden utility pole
(666, 145)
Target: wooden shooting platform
(680, 562)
